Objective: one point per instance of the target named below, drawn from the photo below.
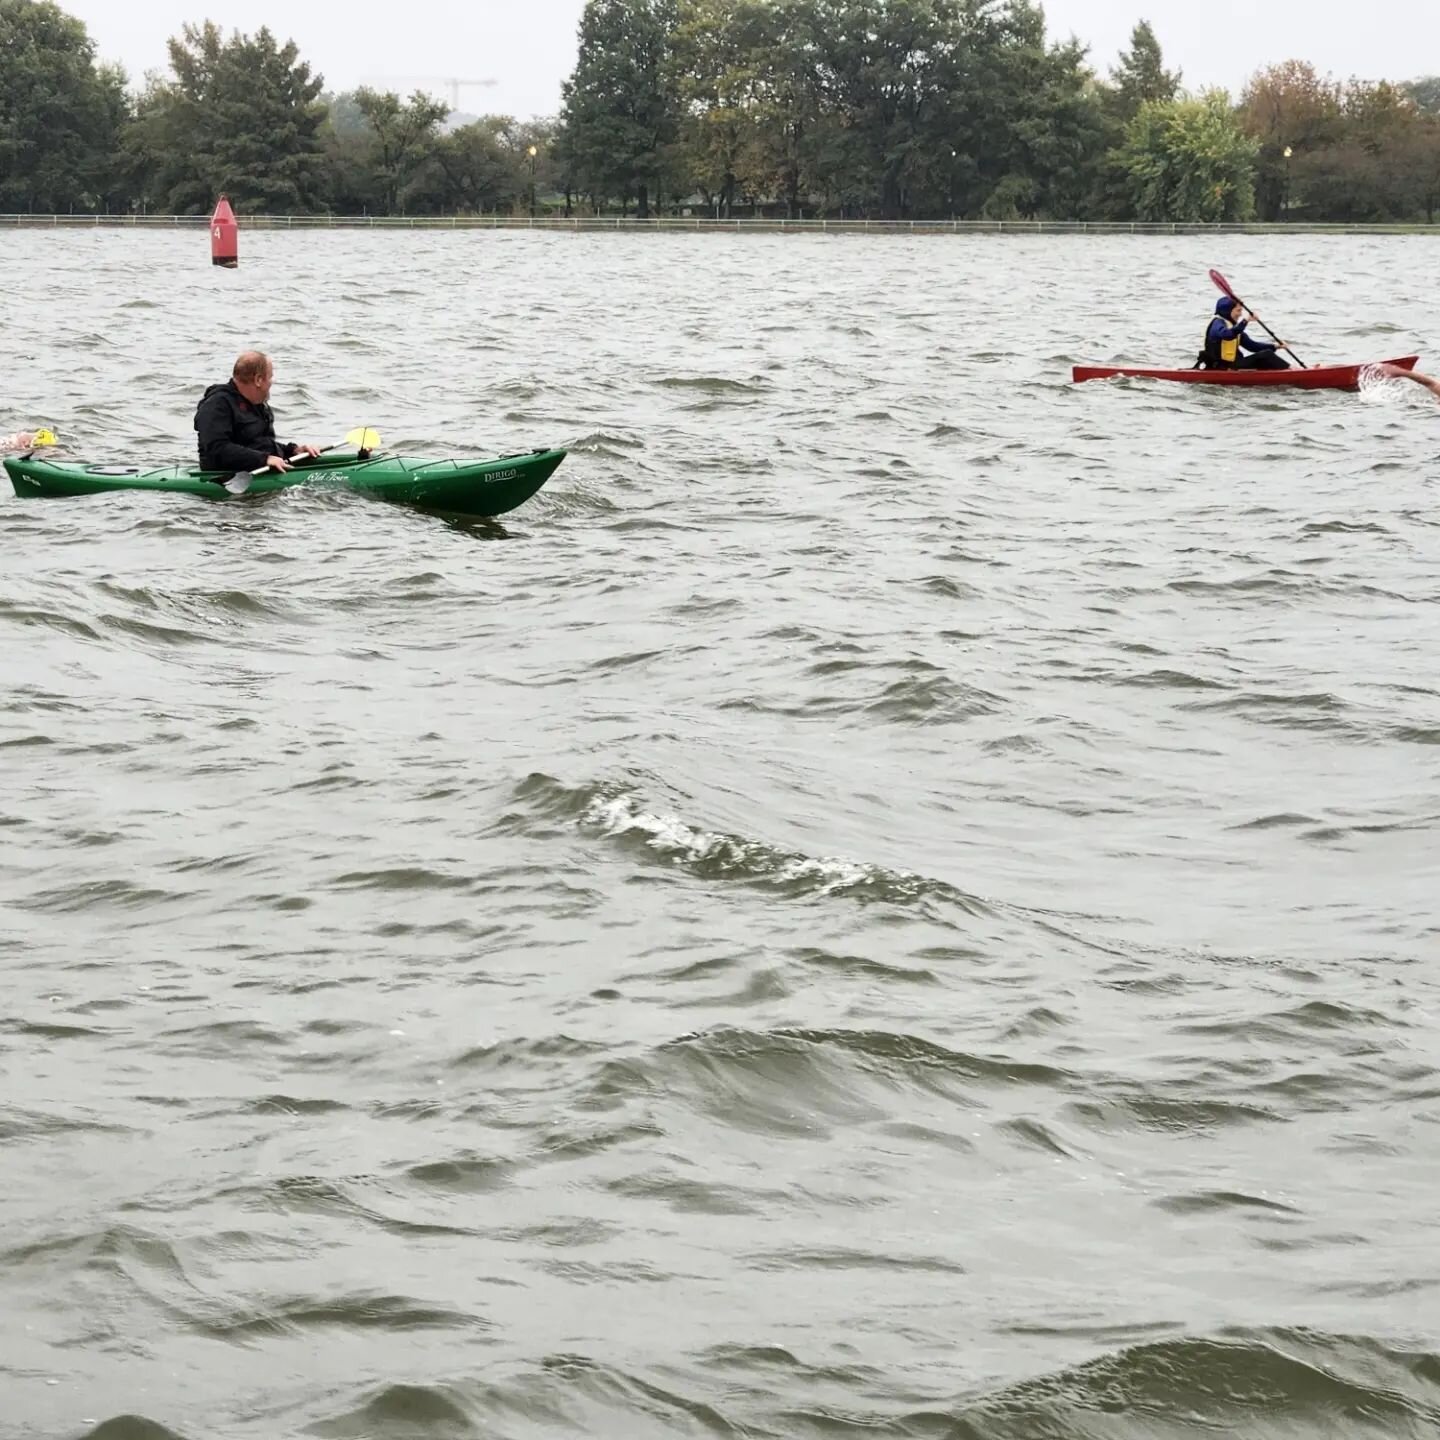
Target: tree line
(894, 109)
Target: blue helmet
(1225, 304)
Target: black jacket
(234, 434)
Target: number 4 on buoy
(224, 236)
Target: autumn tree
(1287, 107)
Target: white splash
(685, 844)
(1376, 388)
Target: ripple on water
(884, 899)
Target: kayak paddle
(1225, 288)
(362, 439)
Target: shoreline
(694, 223)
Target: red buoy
(224, 236)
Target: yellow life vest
(1224, 354)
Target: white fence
(693, 223)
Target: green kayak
(453, 487)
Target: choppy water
(897, 897)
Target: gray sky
(528, 46)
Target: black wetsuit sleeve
(215, 422)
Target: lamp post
(533, 151)
(1288, 153)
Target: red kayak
(1318, 377)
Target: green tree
(344, 115)
(486, 165)
(402, 137)
(884, 66)
(1425, 93)
(712, 72)
(242, 116)
(1141, 76)
(1031, 127)
(546, 170)
(114, 175)
(473, 169)
(791, 115)
(618, 114)
(1189, 161)
(352, 182)
(1064, 135)
(60, 116)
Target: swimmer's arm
(1394, 372)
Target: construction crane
(453, 84)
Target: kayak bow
(1318, 377)
(455, 487)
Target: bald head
(252, 375)
(253, 365)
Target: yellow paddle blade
(364, 439)
(45, 437)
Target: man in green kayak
(235, 425)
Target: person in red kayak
(1226, 338)
(235, 424)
